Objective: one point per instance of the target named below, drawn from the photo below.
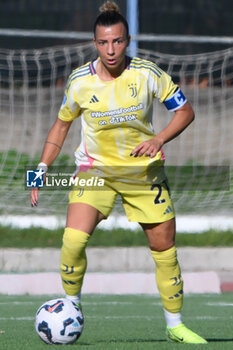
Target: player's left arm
(181, 119)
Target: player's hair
(110, 15)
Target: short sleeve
(164, 87)
(70, 108)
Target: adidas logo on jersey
(94, 99)
(168, 210)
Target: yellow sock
(73, 260)
(169, 280)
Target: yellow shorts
(143, 203)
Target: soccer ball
(59, 321)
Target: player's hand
(42, 167)
(148, 148)
(34, 196)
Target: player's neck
(106, 73)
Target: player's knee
(162, 245)
(161, 236)
(75, 241)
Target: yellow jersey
(116, 116)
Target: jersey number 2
(157, 199)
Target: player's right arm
(52, 147)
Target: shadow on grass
(219, 340)
(126, 341)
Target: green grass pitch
(121, 322)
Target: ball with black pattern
(59, 321)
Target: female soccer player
(113, 95)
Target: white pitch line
(107, 303)
(209, 318)
(27, 318)
(124, 317)
(117, 303)
(17, 303)
(85, 302)
(219, 304)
